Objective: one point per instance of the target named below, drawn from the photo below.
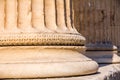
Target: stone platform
(105, 72)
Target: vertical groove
(50, 14)
(111, 20)
(68, 15)
(118, 27)
(115, 24)
(73, 14)
(85, 20)
(84, 17)
(104, 23)
(38, 14)
(88, 22)
(61, 14)
(2, 14)
(65, 12)
(101, 24)
(24, 11)
(11, 14)
(94, 17)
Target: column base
(104, 56)
(44, 62)
(118, 48)
(103, 53)
(101, 47)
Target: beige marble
(60, 15)
(24, 15)
(11, 15)
(34, 62)
(39, 40)
(105, 72)
(2, 15)
(38, 18)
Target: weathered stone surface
(105, 72)
(35, 61)
(39, 40)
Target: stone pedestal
(38, 39)
(103, 53)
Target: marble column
(117, 42)
(95, 25)
(115, 24)
(39, 40)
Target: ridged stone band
(44, 39)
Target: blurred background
(98, 20)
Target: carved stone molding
(38, 39)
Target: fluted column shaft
(40, 40)
(37, 15)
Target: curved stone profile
(42, 42)
(35, 62)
